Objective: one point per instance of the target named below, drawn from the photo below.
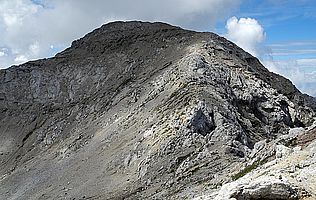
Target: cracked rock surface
(137, 110)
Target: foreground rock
(292, 175)
(141, 111)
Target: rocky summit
(137, 110)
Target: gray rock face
(139, 110)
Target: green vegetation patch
(248, 169)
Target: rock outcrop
(291, 175)
(139, 110)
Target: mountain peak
(129, 32)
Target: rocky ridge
(139, 110)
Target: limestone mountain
(138, 110)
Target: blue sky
(284, 21)
(290, 28)
(280, 32)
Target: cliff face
(139, 110)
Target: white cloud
(249, 34)
(34, 48)
(294, 70)
(246, 33)
(14, 12)
(301, 69)
(30, 29)
(293, 44)
(292, 52)
(20, 59)
(311, 62)
(3, 52)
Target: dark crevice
(202, 124)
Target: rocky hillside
(139, 110)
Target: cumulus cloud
(38, 28)
(249, 35)
(246, 33)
